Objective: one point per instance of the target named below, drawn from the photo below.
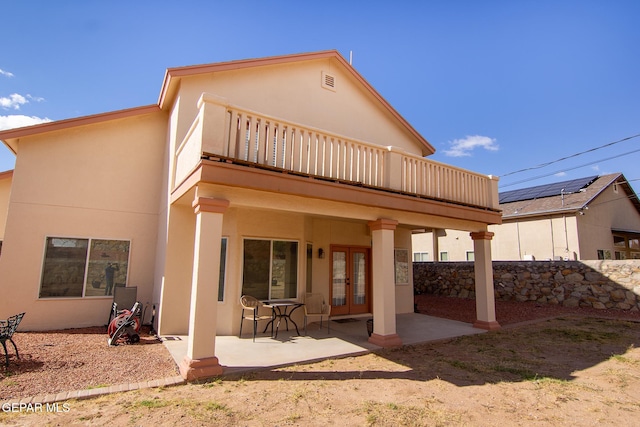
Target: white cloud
(595, 168)
(5, 73)
(464, 147)
(560, 174)
(17, 121)
(15, 100)
(35, 98)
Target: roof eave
(10, 136)
(543, 213)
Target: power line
(542, 165)
(573, 168)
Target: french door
(350, 280)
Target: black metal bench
(7, 329)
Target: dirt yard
(570, 370)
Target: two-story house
(270, 177)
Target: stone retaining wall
(598, 284)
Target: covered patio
(347, 337)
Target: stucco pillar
(200, 361)
(483, 268)
(435, 245)
(383, 279)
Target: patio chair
(251, 311)
(7, 329)
(314, 308)
(123, 299)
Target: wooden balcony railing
(249, 136)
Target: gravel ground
(78, 359)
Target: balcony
(247, 137)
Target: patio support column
(435, 244)
(383, 279)
(200, 361)
(485, 295)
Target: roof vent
(328, 81)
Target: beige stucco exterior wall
(99, 181)
(455, 242)
(294, 92)
(610, 210)
(543, 238)
(5, 192)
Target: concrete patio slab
(347, 337)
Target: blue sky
(494, 86)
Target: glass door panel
(349, 280)
(358, 281)
(339, 280)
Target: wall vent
(328, 81)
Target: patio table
(282, 309)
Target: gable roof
(577, 195)
(171, 83)
(173, 76)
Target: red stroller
(125, 326)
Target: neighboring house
(271, 177)
(582, 219)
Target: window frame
(87, 261)
(603, 254)
(626, 245)
(424, 256)
(270, 278)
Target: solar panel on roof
(547, 190)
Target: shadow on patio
(347, 337)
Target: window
(223, 268)
(626, 245)
(420, 256)
(471, 256)
(270, 269)
(604, 254)
(83, 267)
(620, 255)
(444, 256)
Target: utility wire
(570, 169)
(542, 165)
